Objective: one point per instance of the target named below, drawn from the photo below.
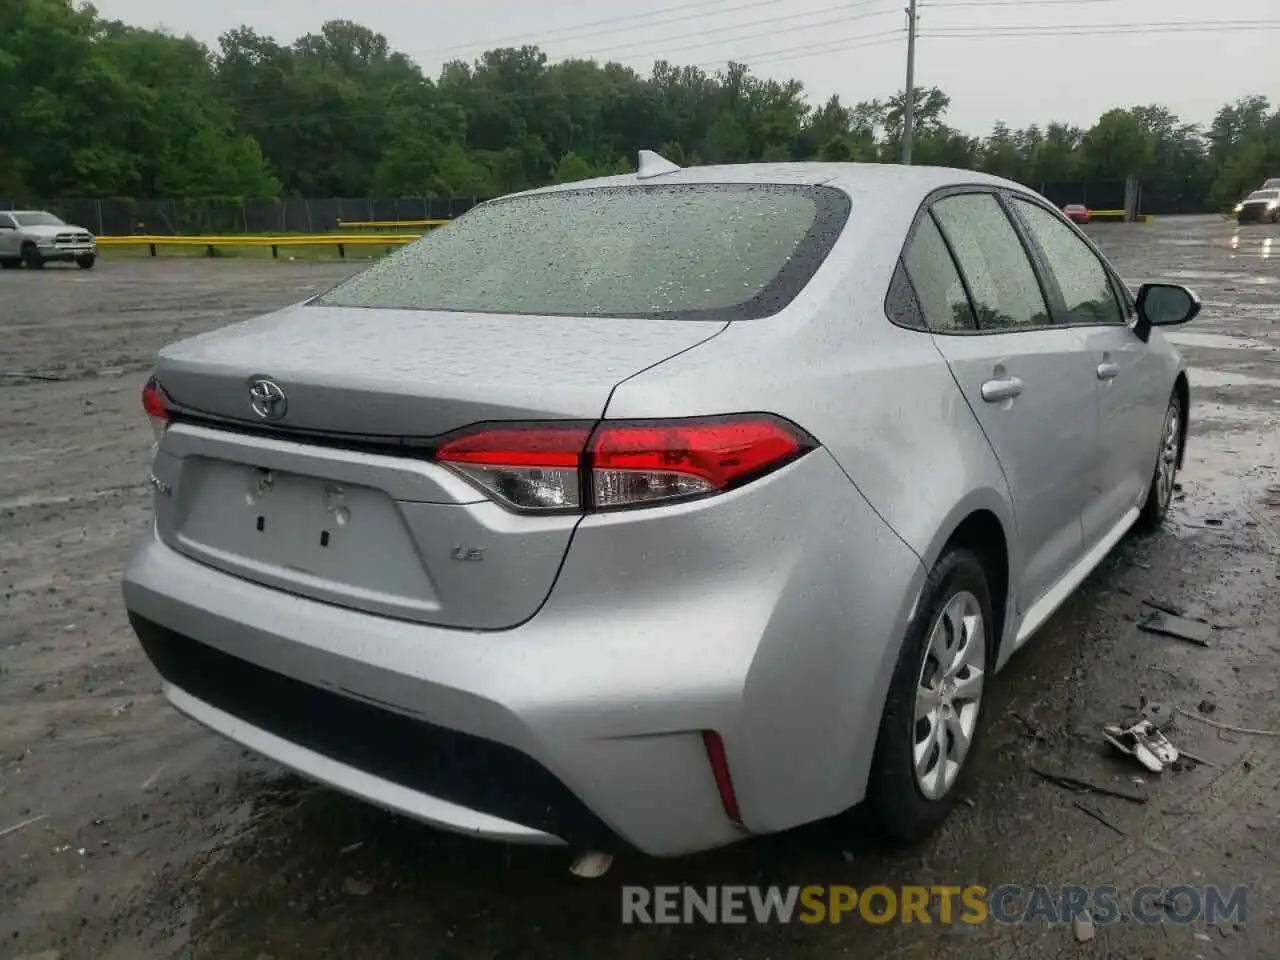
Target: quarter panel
(881, 398)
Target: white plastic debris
(1082, 926)
(1144, 743)
(591, 865)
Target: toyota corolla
(664, 509)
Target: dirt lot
(157, 839)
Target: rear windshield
(685, 251)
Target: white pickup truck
(34, 238)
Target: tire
(10, 264)
(86, 262)
(31, 257)
(907, 806)
(1164, 475)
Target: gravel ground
(158, 839)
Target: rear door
(1130, 383)
(1028, 381)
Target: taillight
(532, 467)
(615, 465)
(153, 403)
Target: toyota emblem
(267, 399)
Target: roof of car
(910, 181)
(45, 212)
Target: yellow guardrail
(391, 223)
(275, 243)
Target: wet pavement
(157, 839)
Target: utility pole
(909, 103)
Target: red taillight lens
(153, 403)
(573, 467)
(634, 464)
(530, 468)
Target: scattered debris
(1097, 815)
(19, 826)
(351, 848)
(1186, 755)
(1248, 731)
(1030, 726)
(1173, 626)
(357, 886)
(150, 781)
(1088, 786)
(1082, 926)
(1164, 607)
(591, 865)
(1157, 714)
(1207, 706)
(1144, 742)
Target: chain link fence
(119, 217)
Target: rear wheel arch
(982, 533)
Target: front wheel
(31, 257)
(933, 715)
(86, 261)
(1164, 478)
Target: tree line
(97, 108)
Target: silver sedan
(665, 509)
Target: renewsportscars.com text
(973, 904)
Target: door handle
(1108, 371)
(994, 391)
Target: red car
(1077, 212)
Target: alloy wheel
(949, 695)
(1167, 465)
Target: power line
(630, 24)
(777, 56)
(256, 100)
(1101, 29)
(266, 101)
(507, 41)
(665, 54)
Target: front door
(1126, 375)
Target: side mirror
(1164, 305)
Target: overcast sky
(1082, 57)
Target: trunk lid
(364, 527)
(417, 373)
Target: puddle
(1260, 247)
(1227, 378)
(1216, 341)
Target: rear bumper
(770, 615)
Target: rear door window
(685, 251)
(936, 281)
(1006, 293)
